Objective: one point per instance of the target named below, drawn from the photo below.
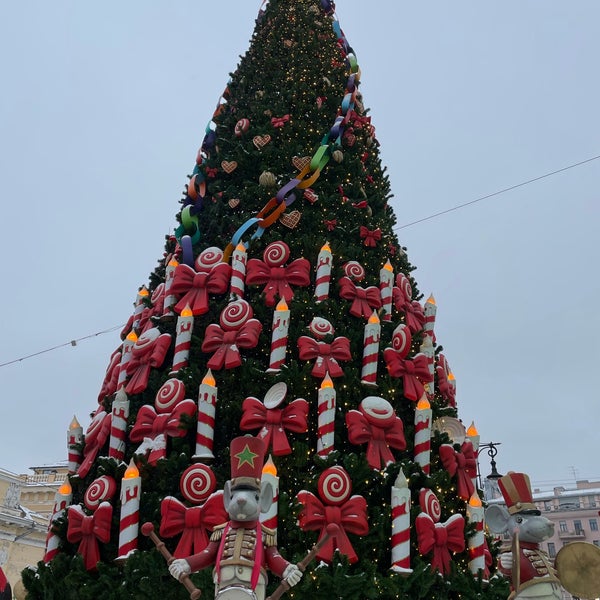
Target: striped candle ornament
(183, 340)
(423, 433)
(74, 437)
(128, 344)
(131, 491)
(476, 543)
(386, 285)
(62, 499)
(279, 337)
(139, 306)
(371, 337)
(269, 475)
(238, 272)
(401, 525)
(118, 425)
(170, 299)
(323, 278)
(326, 416)
(207, 405)
(429, 309)
(428, 350)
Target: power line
(502, 191)
(69, 343)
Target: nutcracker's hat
(516, 489)
(247, 458)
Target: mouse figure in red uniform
(242, 549)
(530, 569)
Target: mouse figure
(531, 570)
(242, 549)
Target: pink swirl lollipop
(403, 284)
(102, 488)
(320, 327)
(354, 270)
(171, 393)
(242, 127)
(149, 336)
(335, 485)
(157, 293)
(235, 314)
(402, 339)
(208, 259)
(276, 254)
(430, 505)
(197, 483)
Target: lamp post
(490, 484)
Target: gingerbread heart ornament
(229, 166)
(291, 219)
(260, 141)
(300, 162)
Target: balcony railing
(578, 534)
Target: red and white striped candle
(238, 272)
(473, 436)
(371, 337)
(118, 425)
(429, 309)
(269, 475)
(170, 299)
(74, 437)
(423, 433)
(207, 405)
(279, 336)
(428, 350)
(386, 285)
(62, 499)
(131, 492)
(326, 416)
(183, 340)
(476, 543)
(139, 306)
(401, 525)
(128, 344)
(323, 278)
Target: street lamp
(490, 485)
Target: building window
(547, 505)
(578, 526)
(551, 550)
(593, 524)
(596, 542)
(592, 501)
(562, 525)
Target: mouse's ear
(266, 496)
(497, 518)
(227, 494)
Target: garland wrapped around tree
(284, 307)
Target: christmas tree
(284, 308)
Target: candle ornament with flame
(422, 450)
(326, 416)
(131, 491)
(386, 286)
(279, 337)
(207, 406)
(118, 425)
(269, 476)
(74, 438)
(401, 525)
(238, 272)
(62, 499)
(371, 337)
(183, 340)
(128, 344)
(476, 543)
(323, 277)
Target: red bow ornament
(440, 539)
(149, 351)
(330, 224)
(192, 523)
(402, 298)
(414, 372)
(349, 517)
(278, 278)
(446, 387)
(274, 422)
(280, 121)
(370, 237)
(196, 286)
(326, 355)
(237, 330)
(376, 425)
(88, 531)
(95, 438)
(152, 429)
(462, 464)
(364, 300)
(109, 385)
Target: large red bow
(413, 310)
(152, 429)
(370, 236)
(195, 287)
(380, 435)
(226, 344)
(95, 437)
(351, 517)
(143, 358)
(462, 464)
(327, 355)
(364, 300)
(441, 539)
(88, 530)
(192, 522)
(414, 372)
(273, 422)
(277, 279)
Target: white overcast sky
(103, 106)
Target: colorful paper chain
(188, 233)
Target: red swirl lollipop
(208, 259)
(235, 314)
(197, 483)
(403, 284)
(335, 486)
(401, 339)
(171, 393)
(102, 488)
(242, 127)
(276, 254)
(354, 270)
(320, 327)
(430, 504)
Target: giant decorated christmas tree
(284, 308)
